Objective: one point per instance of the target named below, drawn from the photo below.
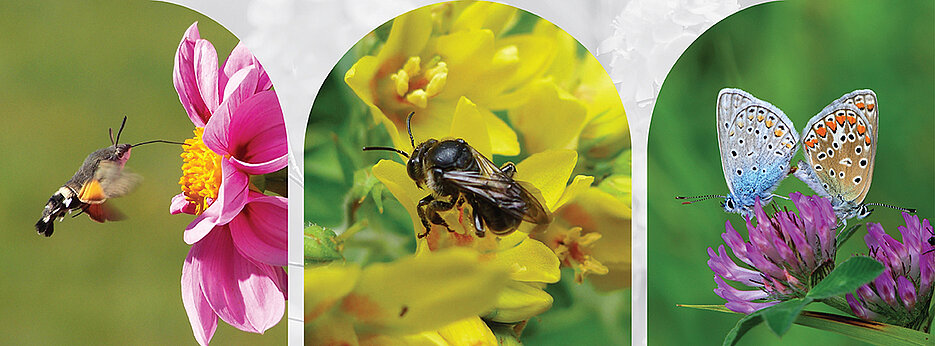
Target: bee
(457, 173)
(100, 178)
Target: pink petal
(254, 134)
(206, 73)
(241, 86)
(240, 58)
(231, 199)
(181, 205)
(259, 231)
(202, 318)
(183, 77)
(241, 293)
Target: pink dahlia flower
(902, 293)
(234, 268)
(787, 254)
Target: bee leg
(478, 224)
(508, 169)
(423, 203)
(434, 207)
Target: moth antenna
(124, 123)
(110, 131)
(156, 141)
(403, 153)
(698, 198)
(409, 129)
(908, 210)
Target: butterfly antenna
(409, 129)
(403, 153)
(695, 199)
(908, 210)
(156, 141)
(124, 123)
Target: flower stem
(839, 303)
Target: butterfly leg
(781, 196)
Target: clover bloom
(902, 293)
(234, 268)
(788, 254)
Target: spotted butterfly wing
(757, 142)
(839, 144)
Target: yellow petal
(330, 330)
(530, 260)
(565, 64)
(502, 137)
(408, 36)
(325, 285)
(597, 211)
(520, 301)
(359, 76)
(468, 124)
(420, 339)
(393, 175)
(535, 54)
(416, 294)
(485, 15)
(550, 119)
(580, 184)
(548, 171)
(470, 331)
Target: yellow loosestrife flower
(399, 302)
(437, 55)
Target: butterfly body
(839, 144)
(756, 141)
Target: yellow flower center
(201, 172)
(416, 84)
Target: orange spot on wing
(778, 132)
(821, 131)
(832, 125)
(769, 123)
(867, 140)
(840, 119)
(809, 144)
(759, 118)
(861, 129)
(851, 119)
(789, 145)
(860, 105)
(870, 107)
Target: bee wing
(495, 187)
(114, 180)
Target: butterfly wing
(756, 141)
(839, 145)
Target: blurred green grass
(799, 56)
(70, 70)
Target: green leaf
(320, 245)
(742, 327)
(845, 235)
(847, 277)
(872, 332)
(780, 317)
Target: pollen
(416, 84)
(201, 172)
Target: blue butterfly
(757, 142)
(840, 144)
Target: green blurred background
(70, 70)
(799, 56)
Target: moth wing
(103, 212)
(92, 192)
(115, 181)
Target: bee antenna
(908, 210)
(157, 141)
(403, 153)
(698, 198)
(117, 140)
(409, 128)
